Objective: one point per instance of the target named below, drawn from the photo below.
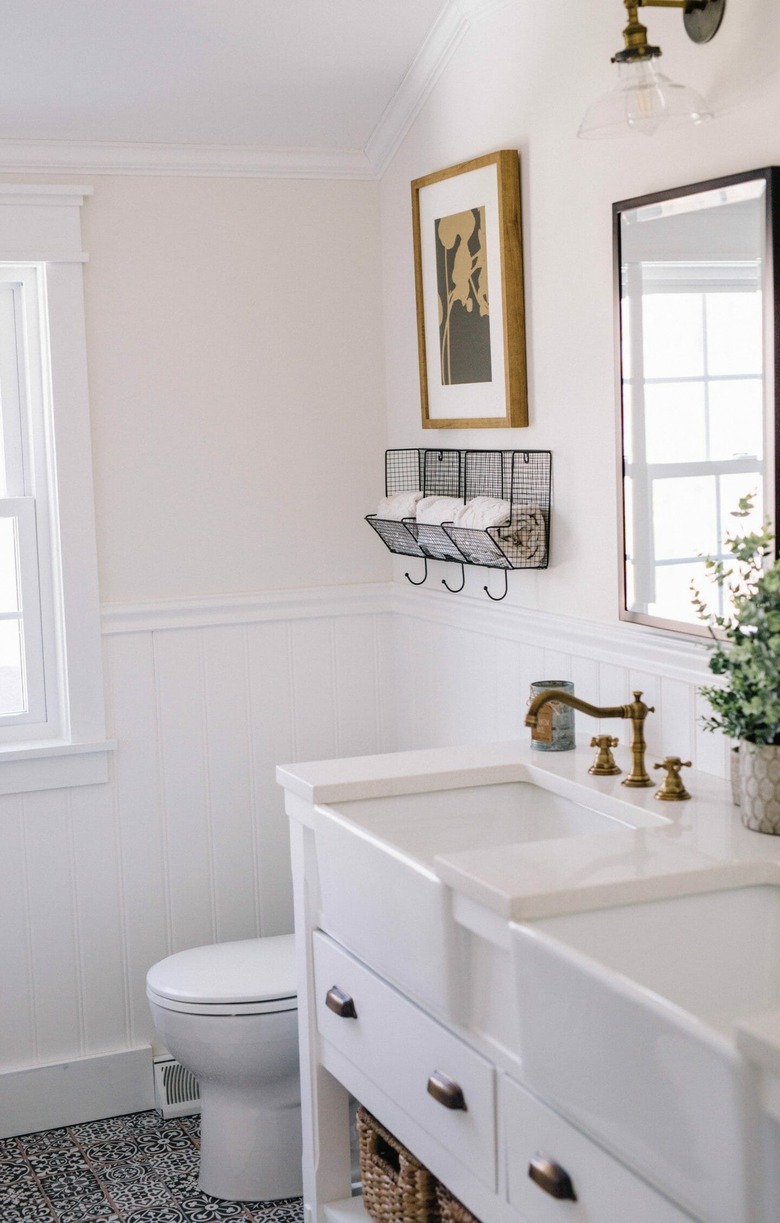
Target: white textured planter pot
(736, 787)
(759, 769)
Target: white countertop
(701, 838)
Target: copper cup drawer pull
(445, 1091)
(340, 1003)
(551, 1177)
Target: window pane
(736, 419)
(734, 333)
(673, 590)
(675, 422)
(684, 517)
(732, 490)
(11, 682)
(673, 328)
(9, 587)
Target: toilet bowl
(228, 1014)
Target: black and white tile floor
(133, 1169)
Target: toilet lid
(250, 970)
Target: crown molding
(451, 26)
(244, 161)
(204, 160)
(428, 65)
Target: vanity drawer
(445, 1087)
(606, 1192)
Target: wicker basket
(396, 1186)
(450, 1209)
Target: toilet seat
(247, 977)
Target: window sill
(53, 765)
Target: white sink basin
(380, 894)
(627, 1025)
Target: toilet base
(248, 1154)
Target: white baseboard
(67, 1093)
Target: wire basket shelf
(523, 478)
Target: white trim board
(664, 654)
(87, 1089)
(209, 611)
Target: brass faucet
(637, 711)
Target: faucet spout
(636, 711)
(568, 698)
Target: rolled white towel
(482, 512)
(436, 510)
(528, 533)
(400, 505)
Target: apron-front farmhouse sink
(627, 1025)
(380, 893)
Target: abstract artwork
(469, 281)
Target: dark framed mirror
(696, 296)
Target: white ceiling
(247, 84)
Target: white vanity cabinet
(446, 1091)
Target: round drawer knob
(446, 1091)
(551, 1177)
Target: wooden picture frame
(468, 268)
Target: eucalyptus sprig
(746, 636)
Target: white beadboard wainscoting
(464, 666)
(187, 843)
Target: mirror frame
(771, 345)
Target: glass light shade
(640, 103)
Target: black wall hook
(454, 590)
(422, 579)
(498, 598)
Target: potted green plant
(746, 657)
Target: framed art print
(468, 265)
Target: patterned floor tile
(47, 1140)
(174, 1214)
(288, 1210)
(13, 1174)
(121, 1150)
(132, 1169)
(202, 1209)
(143, 1193)
(26, 1212)
(141, 1123)
(108, 1129)
(88, 1211)
(167, 1164)
(58, 1163)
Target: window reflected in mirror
(696, 373)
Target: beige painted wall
(235, 369)
(523, 79)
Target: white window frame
(25, 409)
(40, 231)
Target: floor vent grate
(176, 1091)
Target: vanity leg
(324, 1102)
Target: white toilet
(228, 1013)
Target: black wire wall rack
(523, 478)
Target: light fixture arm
(701, 18)
(635, 37)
